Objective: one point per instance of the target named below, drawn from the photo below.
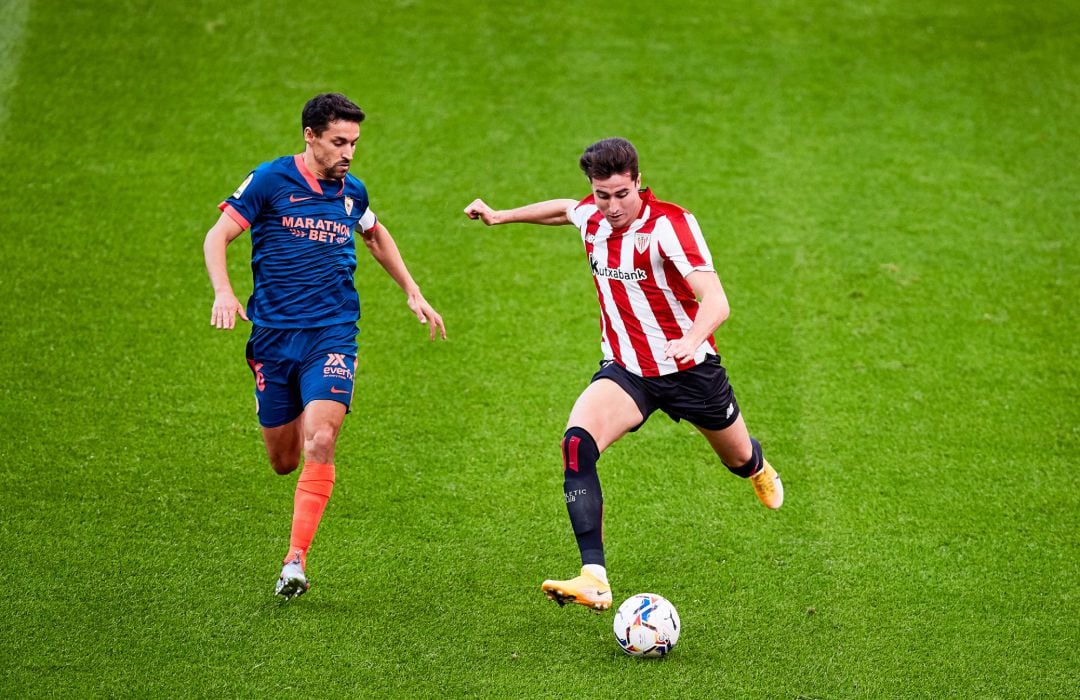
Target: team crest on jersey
(641, 241)
(348, 206)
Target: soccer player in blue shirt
(302, 211)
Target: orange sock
(313, 490)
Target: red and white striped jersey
(640, 275)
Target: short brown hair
(609, 157)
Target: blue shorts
(701, 395)
(295, 366)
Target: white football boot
(292, 582)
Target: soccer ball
(646, 625)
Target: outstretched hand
(426, 314)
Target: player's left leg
(703, 396)
(322, 421)
(284, 444)
(741, 454)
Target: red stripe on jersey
(638, 339)
(312, 181)
(684, 294)
(680, 287)
(650, 287)
(677, 217)
(234, 215)
(654, 294)
(592, 227)
(658, 301)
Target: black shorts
(701, 394)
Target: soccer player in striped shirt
(660, 303)
(303, 210)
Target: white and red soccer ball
(646, 625)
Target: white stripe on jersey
(617, 335)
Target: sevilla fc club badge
(348, 206)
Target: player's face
(333, 149)
(618, 199)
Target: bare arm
(550, 213)
(382, 247)
(712, 311)
(226, 305)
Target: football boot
(768, 487)
(585, 590)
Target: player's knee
(320, 444)
(580, 453)
(581, 483)
(282, 464)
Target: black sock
(753, 465)
(584, 500)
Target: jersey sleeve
(683, 244)
(367, 219)
(249, 198)
(579, 213)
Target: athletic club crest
(641, 241)
(348, 206)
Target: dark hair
(329, 107)
(610, 157)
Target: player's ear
(309, 135)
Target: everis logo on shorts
(336, 366)
(615, 273)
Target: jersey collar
(309, 177)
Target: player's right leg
(284, 444)
(283, 447)
(280, 409)
(602, 414)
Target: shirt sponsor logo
(322, 230)
(615, 273)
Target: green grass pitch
(890, 192)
